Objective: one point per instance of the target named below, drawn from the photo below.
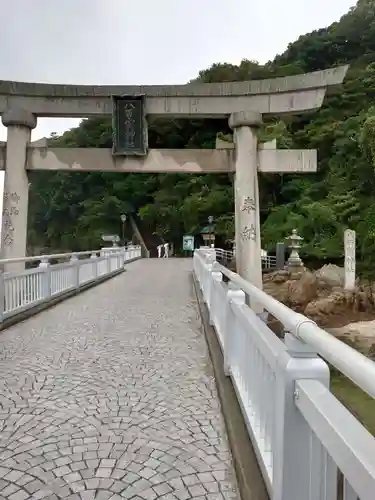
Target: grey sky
(145, 41)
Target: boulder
(319, 310)
(331, 274)
(280, 276)
(278, 291)
(360, 335)
(303, 290)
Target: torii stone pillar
(19, 123)
(248, 244)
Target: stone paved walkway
(111, 395)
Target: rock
(278, 291)
(322, 285)
(331, 274)
(276, 327)
(319, 310)
(303, 290)
(280, 276)
(295, 274)
(360, 335)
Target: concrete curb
(18, 318)
(250, 481)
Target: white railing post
(293, 463)
(46, 278)
(94, 257)
(215, 277)
(119, 258)
(238, 296)
(75, 270)
(207, 282)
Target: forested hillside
(73, 210)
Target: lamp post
(212, 238)
(123, 220)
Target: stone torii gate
(243, 102)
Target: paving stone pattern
(110, 395)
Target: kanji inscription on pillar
(10, 210)
(248, 204)
(248, 233)
(129, 126)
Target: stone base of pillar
(295, 263)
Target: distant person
(159, 248)
(166, 250)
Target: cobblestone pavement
(110, 394)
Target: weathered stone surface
(360, 334)
(100, 159)
(292, 94)
(303, 290)
(318, 296)
(111, 394)
(315, 79)
(183, 107)
(19, 117)
(331, 274)
(39, 157)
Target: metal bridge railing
(268, 261)
(304, 438)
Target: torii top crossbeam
(275, 96)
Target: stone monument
(349, 245)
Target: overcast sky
(145, 41)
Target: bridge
(162, 378)
(128, 377)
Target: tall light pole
(123, 220)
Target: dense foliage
(73, 210)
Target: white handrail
(27, 288)
(330, 421)
(34, 258)
(353, 364)
(301, 434)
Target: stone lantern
(294, 261)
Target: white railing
(27, 288)
(304, 438)
(223, 254)
(268, 261)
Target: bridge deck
(111, 394)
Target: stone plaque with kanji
(129, 126)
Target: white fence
(22, 290)
(302, 435)
(268, 261)
(224, 254)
